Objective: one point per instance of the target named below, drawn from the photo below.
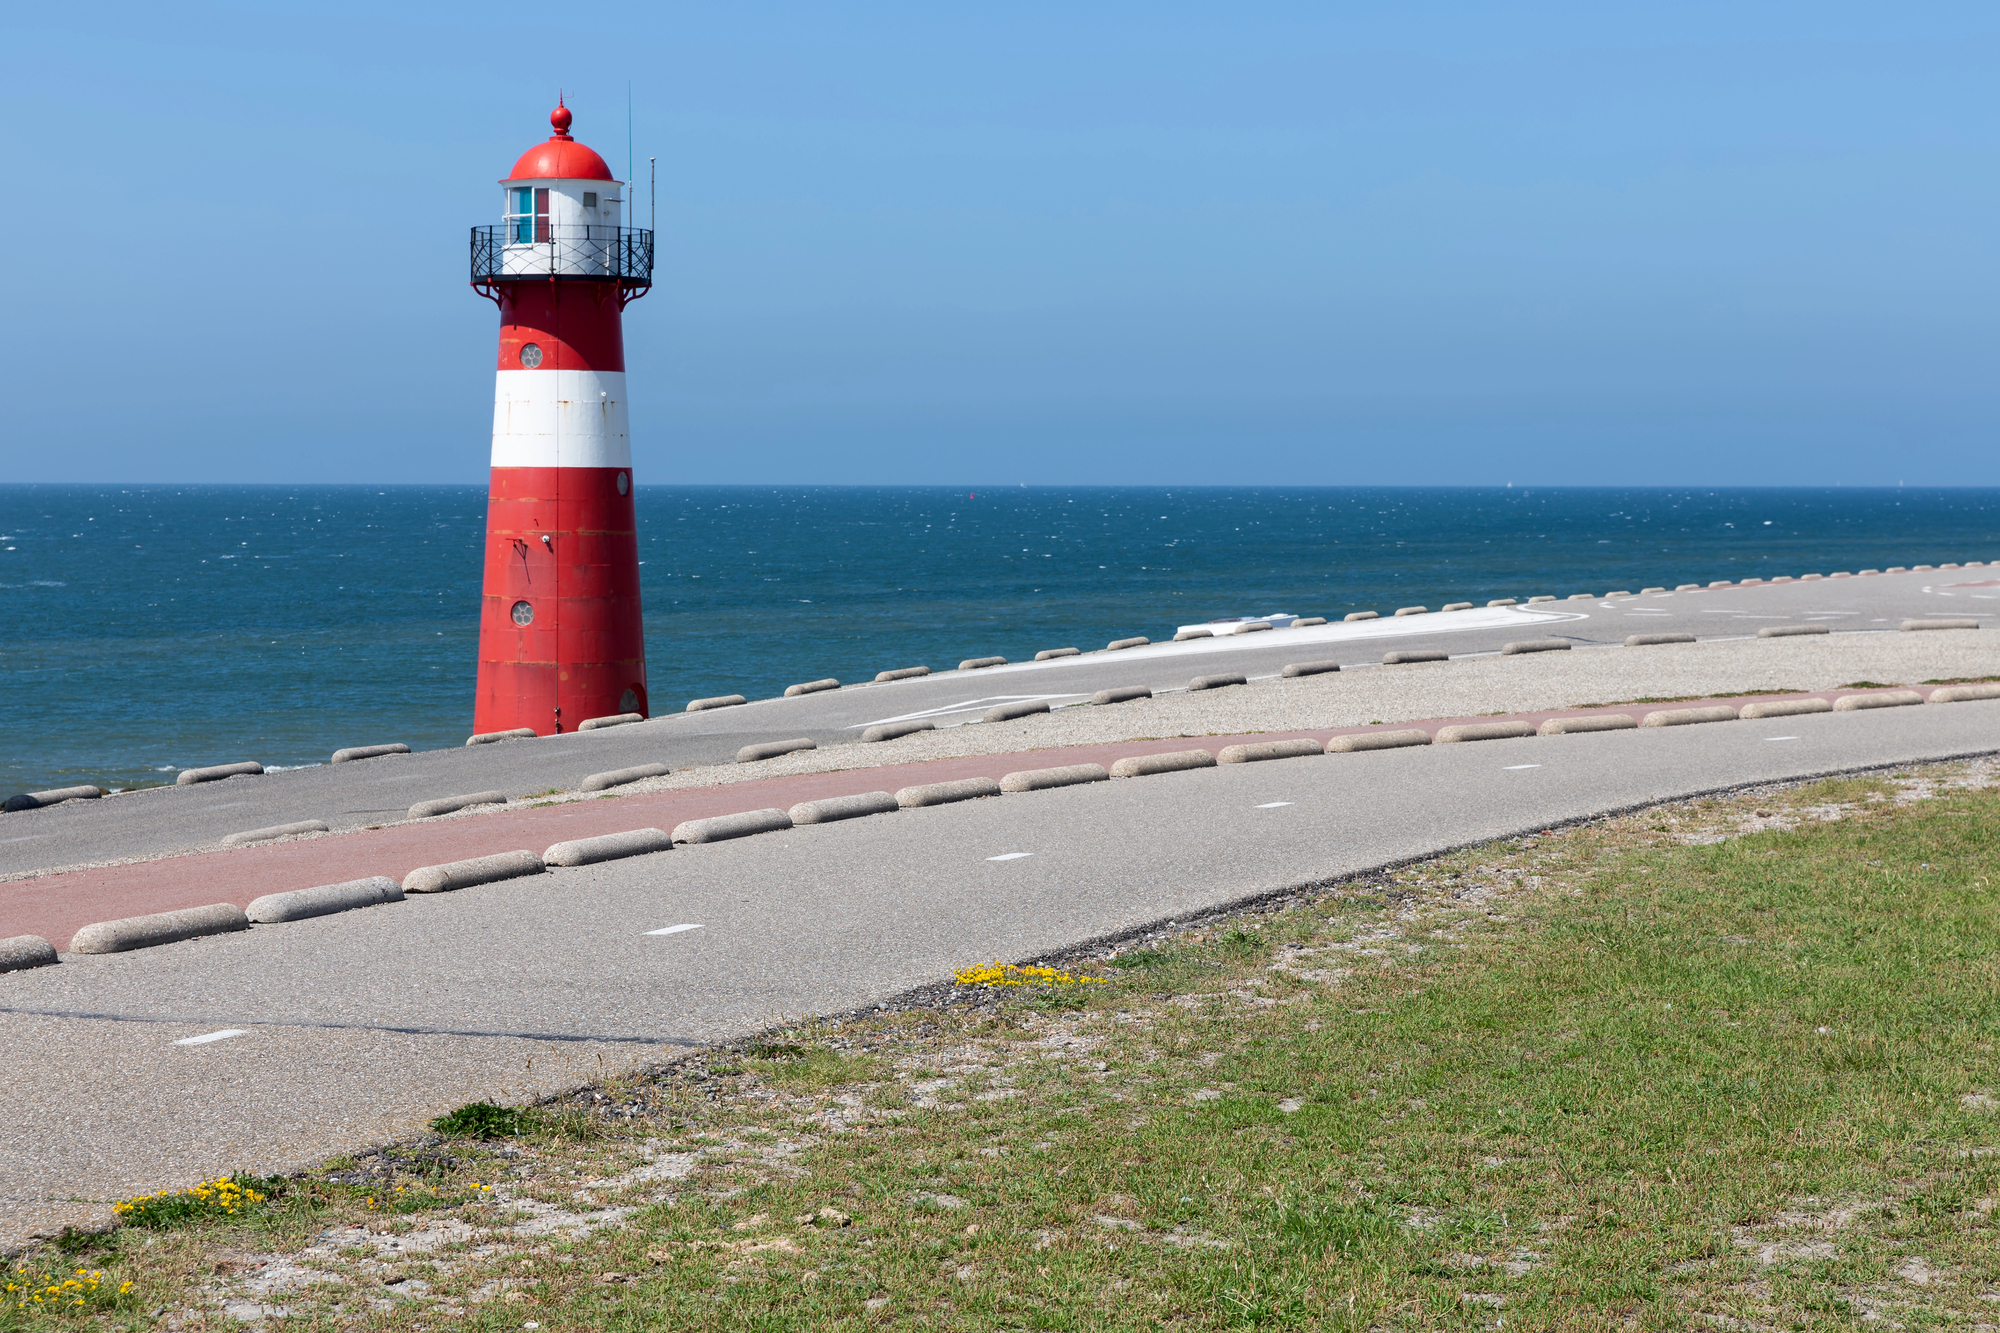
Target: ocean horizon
(165, 626)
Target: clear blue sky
(1276, 243)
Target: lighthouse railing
(623, 253)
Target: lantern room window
(528, 216)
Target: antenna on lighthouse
(653, 206)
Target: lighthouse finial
(560, 118)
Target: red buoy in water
(560, 639)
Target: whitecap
(47, 583)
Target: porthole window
(624, 483)
(524, 614)
(531, 355)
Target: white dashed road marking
(1009, 856)
(207, 1037)
(1272, 805)
(672, 930)
(1516, 767)
(1781, 738)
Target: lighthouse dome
(561, 158)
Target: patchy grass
(1728, 1063)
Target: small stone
(751, 1223)
(833, 1217)
(804, 1219)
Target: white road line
(207, 1037)
(672, 930)
(1272, 805)
(1516, 767)
(1009, 856)
(1781, 738)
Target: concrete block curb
(1458, 606)
(1810, 578)
(721, 828)
(1249, 627)
(1790, 631)
(190, 776)
(1960, 694)
(1177, 761)
(1118, 645)
(1617, 592)
(618, 777)
(494, 737)
(326, 899)
(1849, 703)
(1008, 712)
(1687, 587)
(1546, 597)
(1293, 670)
(811, 687)
(1649, 640)
(1571, 726)
(889, 731)
(1721, 583)
(1503, 601)
(1256, 752)
(719, 701)
(57, 795)
(831, 808)
(25, 951)
(901, 673)
(1866, 572)
(1687, 717)
(276, 831)
(1188, 634)
(465, 874)
(608, 847)
(1412, 610)
(445, 805)
(750, 754)
(1483, 731)
(1414, 655)
(1050, 654)
(1307, 622)
(1377, 740)
(614, 720)
(1841, 574)
(1360, 615)
(1041, 779)
(144, 932)
(1583, 597)
(1534, 646)
(1954, 622)
(356, 752)
(981, 663)
(1119, 694)
(1783, 708)
(1220, 680)
(944, 793)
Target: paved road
(516, 988)
(377, 791)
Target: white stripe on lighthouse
(560, 418)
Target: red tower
(560, 639)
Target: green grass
(1603, 1078)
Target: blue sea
(150, 628)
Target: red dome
(561, 158)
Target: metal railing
(624, 253)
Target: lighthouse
(560, 639)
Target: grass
(1729, 1063)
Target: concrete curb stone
(1649, 640)
(324, 900)
(1187, 635)
(144, 932)
(1849, 703)
(811, 687)
(613, 720)
(1687, 717)
(25, 951)
(1458, 606)
(719, 701)
(445, 805)
(218, 772)
(1360, 615)
(721, 828)
(901, 673)
(1221, 680)
(889, 731)
(1534, 646)
(1294, 670)
(57, 795)
(1377, 740)
(1254, 752)
(944, 793)
(1119, 694)
(357, 752)
(1008, 712)
(494, 737)
(1041, 779)
(981, 663)
(478, 870)
(1783, 708)
(1050, 654)
(1959, 694)
(831, 808)
(1483, 731)
(1412, 610)
(1571, 726)
(1953, 622)
(1119, 645)
(1177, 761)
(1790, 631)
(1415, 655)
(750, 754)
(618, 777)
(1250, 627)
(608, 847)
(276, 831)
(1307, 622)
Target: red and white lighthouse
(560, 639)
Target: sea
(152, 628)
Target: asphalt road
(347, 796)
(512, 989)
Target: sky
(1309, 244)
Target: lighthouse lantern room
(560, 639)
